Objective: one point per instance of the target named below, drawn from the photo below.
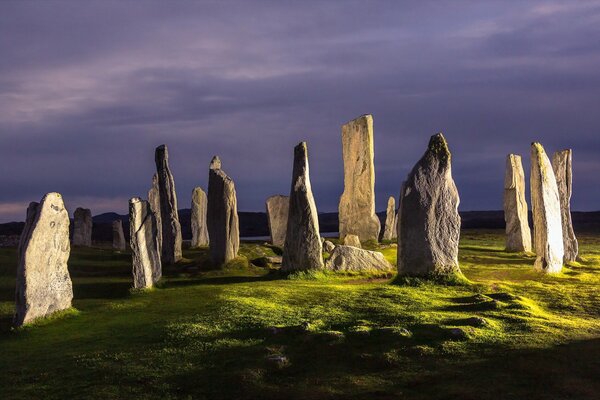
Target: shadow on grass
(101, 290)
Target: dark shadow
(101, 290)
(219, 280)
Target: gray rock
(154, 200)
(303, 248)
(428, 220)
(171, 229)
(198, 218)
(545, 204)
(277, 215)
(518, 234)
(562, 165)
(43, 282)
(328, 246)
(352, 240)
(389, 231)
(147, 268)
(349, 258)
(222, 217)
(118, 235)
(357, 204)
(274, 259)
(82, 227)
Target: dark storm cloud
(87, 90)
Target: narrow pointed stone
(277, 216)
(428, 219)
(545, 205)
(82, 227)
(390, 220)
(562, 162)
(146, 268)
(118, 235)
(357, 204)
(198, 218)
(518, 234)
(154, 200)
(171, 229)
(303, 249)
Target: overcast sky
(89, 89)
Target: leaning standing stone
(518, 234)
(43, 282)
(147, 269)
(277, 215)
(390, 220)
(222, 218)
(303, 248)
(171, 229)
(357, 204)
(428, 219)
(545, 204)
(82, 227)
(562, 165)
(198, 218)
(154, 200)
(118, 235)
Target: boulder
(303, 248)
(277, 215)
(389, 231)
(154, 200)
(171, 229)
(82, 227)
(198, 218)
(349, 258)
(545, 204)
(328, 246)
(43, 282)
(518, 234)
(562, 165)
(428, 219)
(118, 235)
(147, 267)
(352, 240)
(357, 204)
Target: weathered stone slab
(352, 240)
(518, 234)
(147, 267)
(562, 162)
(43, 282)
(118, 235)
(328, 246)
(154, 200)
(198, 217)
(277, 215)
(428, 219)
(171, 229)
(389, 231)
(545, 204)
(82, 227)
(349, 258)
(357, 204)
(222, 218)
(303, 247)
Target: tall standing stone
(154, 200)
(43, 282)
(277, 215)
(545, 204)
(303, 249)
(222, 216)
(171, 229)
(518, 234)
(198, 218)
(147, 268)
(357, 204)
(562, 162)
(428, 219)
(82, 227)
(390, 220)
(118, 235)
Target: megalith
(352, 240)
(303, 249)
(171, 229)
(545, 205)
(82, 227)
(357, 204)
(147, 267)
(428, 219)
(43, 282)
(277, 215)
(518, 234)
(352, 259)
(389, 231)
(154, 200)
(118, 235)
(562, 165)
(222, 216)
(198, 218)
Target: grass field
(247, 332)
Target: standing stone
(82, 227)
(562, 165)
(147, 268)
(171, 229)
(428, 219)
(352, 240)
(154, 200)
(222, 218)
(545, 204)
(118, 235)
(198, 218)
(43, 282)
(390, 220)
(277, 215)
(303, 249)
(518, 234)
(357, 204)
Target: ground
(505, 332)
